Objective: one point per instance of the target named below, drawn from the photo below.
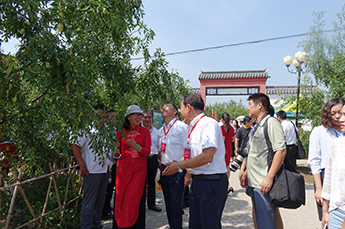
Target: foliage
(168, 87)
(72, 56)
(325, 66)
(232, 108)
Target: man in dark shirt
(242, 133)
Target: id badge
(134, 153)
(163, 146)
(186, 155)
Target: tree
(73, 55)
(326, 64)
(232, 108)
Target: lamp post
(300, 58)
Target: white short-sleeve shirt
(176, 140)
(207, 134)
(289, 132)
(92, 162)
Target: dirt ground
(306, 172)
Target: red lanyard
(165, 133)
(190, 131)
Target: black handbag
(288, 189)
(300, 152)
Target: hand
(266, 184)
(131, 143)
(187, 179)
(83, 170)
(318, 197)
(171, 168)
(243, 179)
(325, 218)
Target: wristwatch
(178, 167)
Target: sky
(182, 25)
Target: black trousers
(319, 207)
(290, 158)
(110, 191)
(152, 165)
(206, 202)
(173, 187)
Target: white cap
(133, 109)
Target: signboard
(231, 90)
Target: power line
(238, 44)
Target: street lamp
(300, 58)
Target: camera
(242, 153)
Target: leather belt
(207, 176)
(151, 156)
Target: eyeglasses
(139, 115)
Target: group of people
(196, 152)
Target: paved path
(238, 211)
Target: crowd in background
(195, 155)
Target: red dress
(228, 143)
(131, 176)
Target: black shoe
(231, 189)
(155, 208)
(107, 216)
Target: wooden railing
(52, 181)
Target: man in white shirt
(152, 162)
(95, 177)
(290, 139)
(172, 140)
(204, 160)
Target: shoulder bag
(288, 189)
(300, 152)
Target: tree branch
(41, 95)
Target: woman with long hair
(319, 141)
(134, 143)
(228, 137)
(333, 205)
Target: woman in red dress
(134, 144)
(228, 136)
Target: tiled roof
(234, 74)
(287, 90)
(274, 90)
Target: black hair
(111, 110)
(281, 114)
(246, 119)
(264, 100)
(226, 118)
(126, 124)
(194, 100)
(148, 111)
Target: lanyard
(336, 133)
(134, 135)
(190, 131)
(165, 133)
(256, 127)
